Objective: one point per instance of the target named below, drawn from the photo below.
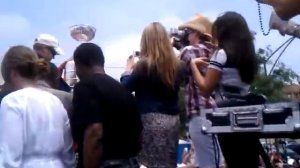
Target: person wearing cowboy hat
(46, 46)
(198, 29)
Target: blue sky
(119, 23)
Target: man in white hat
(46, 46)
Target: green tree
(271, 84)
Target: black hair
(89, 54)
(233, 35)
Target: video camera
(179, 37)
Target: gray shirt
(64, 97)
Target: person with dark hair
(46, 46)
(231, 70)
(105, 121)
(40, 135)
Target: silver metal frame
(250, 119)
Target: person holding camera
(156, 80)
(198, 29)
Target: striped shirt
(193, 99)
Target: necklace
(260, 21)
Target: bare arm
(208, 83)
(92, 146)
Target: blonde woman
(155, 79)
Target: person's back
(123, 122)
(151, 93)
(63, 96)
(155, 79)
(35, 131)
(115, 109)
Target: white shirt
(34, 131)
(230, 76)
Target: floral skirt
(160, 140)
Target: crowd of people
(134, 121)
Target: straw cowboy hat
(199, 23)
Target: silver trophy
(82, 32)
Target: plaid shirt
(193, 99)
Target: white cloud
(171, 21)
(13, 26)
(211, 14)
(117, 51)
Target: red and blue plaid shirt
(194, 101)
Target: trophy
(82, 32)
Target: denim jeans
(207, 149)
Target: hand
(62, 66)
(285, 9)
(130, 63)
(201, 62)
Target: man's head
(46, 46)
(88, 58)
(198, 29)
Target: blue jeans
(207, 149)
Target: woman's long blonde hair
(157, 48)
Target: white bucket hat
(49, 40)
